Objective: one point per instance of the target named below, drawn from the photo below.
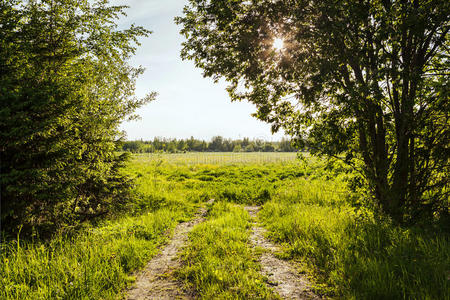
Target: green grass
(354, 256)
(218, 158)
(347, 254)
(98, 262)
(218, 262)
(94, 265)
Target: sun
(278, 44)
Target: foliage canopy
(65, 86)
(363, 81)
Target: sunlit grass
(305, 208)
(354, 255)
(218, 158)
(94, 265)
(219, 262)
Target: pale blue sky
(187, 104)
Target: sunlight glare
(278, 44)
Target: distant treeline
(217, 144)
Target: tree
(250, 148)
(285, 145)
(237, 148)
(171, 147)
(65, 86)
(182, 145)
(245, 142)
(216, 144)
(268, 147)
(133, 146)
(363, 81)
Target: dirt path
(288, 283)
(156, 280)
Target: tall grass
(93, 265)
(348, 254)
(98, 262)
(354, 255)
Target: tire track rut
(156, 281)
(288, 283)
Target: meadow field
(305, 206)
(218, 158)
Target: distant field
(220, 158)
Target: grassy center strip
(219, 262)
